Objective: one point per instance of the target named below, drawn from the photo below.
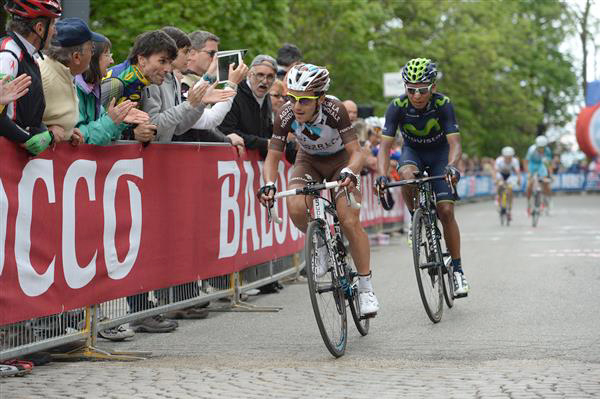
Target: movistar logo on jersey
(403, 103)
(431, 123)
(441, 101)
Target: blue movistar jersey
(421, 128)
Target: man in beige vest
(69, 54)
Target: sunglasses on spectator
(210, 53)
(261, 76)
(276, 95)
(304, 100)
(420, 90)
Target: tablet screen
(223, 67)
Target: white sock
(364, 283)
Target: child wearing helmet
(328, 149)
(431, 139)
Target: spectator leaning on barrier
(202, 65)
(68, 55)
(148, 63)
(100, 126)
(30, 29)
(250, 115)
(173, 116)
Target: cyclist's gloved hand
(452, 174)
(381, 183)
(39, 142)
(385, 196)
(347, 176)
(266, 194)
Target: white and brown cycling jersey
(325, 136)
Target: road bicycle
(503, 188)
(337, 289)
(538, 200)
(433, 268)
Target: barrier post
(89, 351)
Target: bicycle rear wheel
(427, 267)
(448, 276)
(325, 292)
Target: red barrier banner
(82, 225)
(371, 212)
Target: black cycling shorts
(437, 160)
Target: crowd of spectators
(58, 84)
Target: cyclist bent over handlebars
(328, 150)
(431, 139)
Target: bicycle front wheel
(448, 276)
(326, 294)
(362, 323)
(428, 267)
(535, 214)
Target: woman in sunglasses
(328, 149)
(431, 139)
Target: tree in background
(254, 25)
(499, 58)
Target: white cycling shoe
(461, 286)
(369, 305)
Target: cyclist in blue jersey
(538, 158)
(431, 139)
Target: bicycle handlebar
(312, 189)
(420, 180)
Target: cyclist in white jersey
(329, 149)
(507, 174)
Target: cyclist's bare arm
(383, 158)
(356, 161)
(357, 157)
(271, 163)
(455, 151)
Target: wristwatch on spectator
(209, 79)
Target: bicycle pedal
(368, 316)
(457, 296)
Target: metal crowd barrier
(83, 324)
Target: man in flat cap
(69, 55)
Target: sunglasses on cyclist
(420, 90)
(304, 100)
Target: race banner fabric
(83, 225)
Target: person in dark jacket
(251, 113)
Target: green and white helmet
(419, 70)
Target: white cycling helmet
(308, 77)
(508, 152)
(541, 141)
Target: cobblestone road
(529, 329)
